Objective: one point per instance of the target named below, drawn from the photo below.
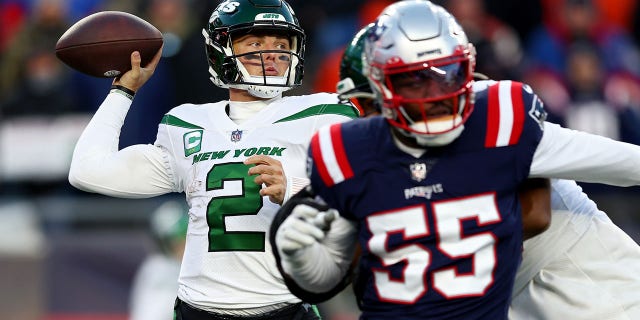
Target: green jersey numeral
(246, 201)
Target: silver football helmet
(420, 65)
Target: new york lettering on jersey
(437, 230)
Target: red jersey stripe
(493, 116)
(518, 112)
(316, 154)
(338, 149)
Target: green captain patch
(192, 142)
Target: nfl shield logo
(236, 135)
(418, 171)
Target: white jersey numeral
(411, 223)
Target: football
(101, 44)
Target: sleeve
(569, 154)
(322, 266)
(327, 165)
(294, 185)
(324, 273)
(97, 165)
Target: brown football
(101, 44)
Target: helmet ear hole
(300, 70)
(229, 72)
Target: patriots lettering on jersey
(423, 191)
(505, 114)
(246, 152)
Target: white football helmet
(418, 47)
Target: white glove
(305, 226)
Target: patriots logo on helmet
(378, 28)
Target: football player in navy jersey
(558, 277)
(429, 189)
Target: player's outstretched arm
(574, 155)
(97, 165)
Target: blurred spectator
(575, 20)
(155, 285)
(12, 15)
(635, 23)
(29, 72)
(326, 74)
(586, 70)
(181, 23)
(43, 88)
(522, 15)
(590, 108)
(499, 53)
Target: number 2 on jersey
(411, 222)
(237, 195)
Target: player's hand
(305, 226)
(270, 173)
(138, 75)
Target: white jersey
(566, 196)
(582, 267)
(228, 262)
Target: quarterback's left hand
(270, 173)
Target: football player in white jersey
(236, 160)
(582, 267)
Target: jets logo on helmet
(230, 7)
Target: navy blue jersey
(441, 234)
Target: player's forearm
(320, 267)
(98, 166)
(570, 154)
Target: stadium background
(69, 255)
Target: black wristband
(124, 91)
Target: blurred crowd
(581, 56)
